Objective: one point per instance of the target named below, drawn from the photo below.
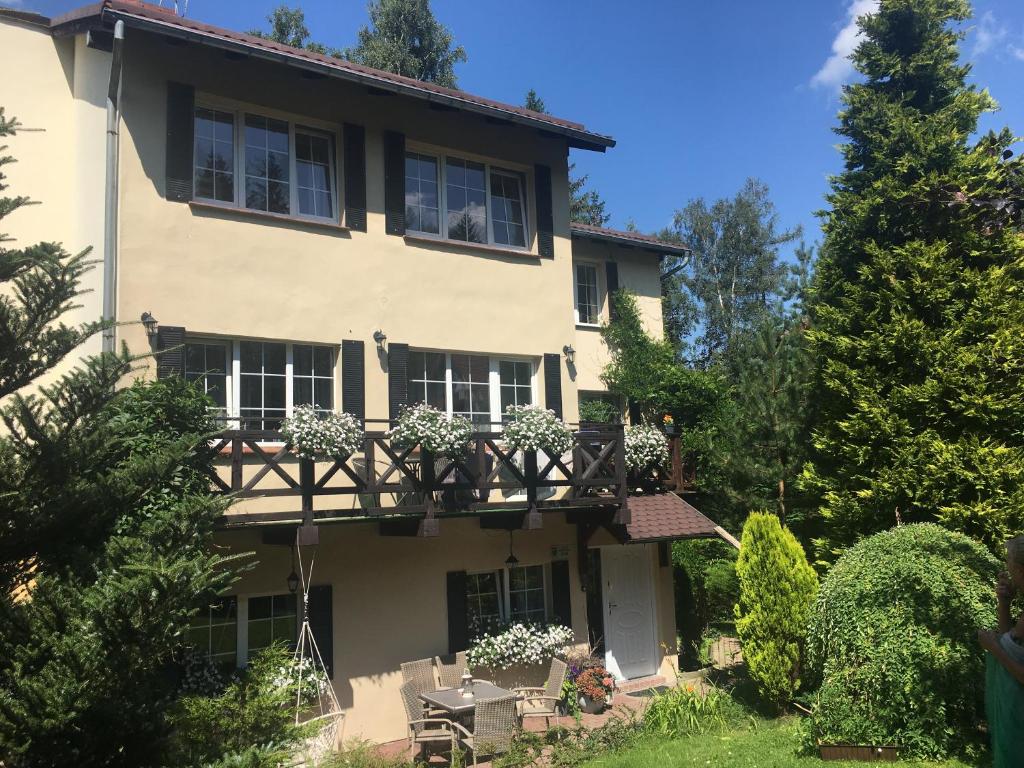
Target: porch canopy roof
(665, 517)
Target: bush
(256, 708)
(891, 641)
(706, 591)
(777, 588)
(684, 711)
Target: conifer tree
(106, 526)
(918, 314)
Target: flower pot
(592, 706)
(671, 430)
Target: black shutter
(458, 626)
(355, 177)
(170, 345)
(394, 183)
(561, 599)
(353, 378)
(611, 274)
(545, 214)
(553, 382)
(321, 623)
(180, 126)
(663, 554)
(398, 378)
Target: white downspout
(110, 208)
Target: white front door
(630, 647)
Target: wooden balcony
(412, 489)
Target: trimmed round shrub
(777, 589)
(892, 642)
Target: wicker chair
(544, 702)
(451, 669)
(494, 726)
(425, 732)
(420, 674)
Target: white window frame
(242, 648)
(493, 379)
(295, 123)
(521, 174)
(505, 592)
(209, 625)
(233, 378)
(576, 293)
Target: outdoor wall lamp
(511, 561)
(293, 577)
(570, 354)
(150, 322)
(380, 337)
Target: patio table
(453, 702)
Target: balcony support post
(308, 533)
(429, 526)
(532, 520)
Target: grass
(772, 744)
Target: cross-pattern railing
(387, 479)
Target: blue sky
(700, 95)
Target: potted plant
(668, 425)
(594, 686)
(646, 451)
(434, 431)
(519, 649)
(322, 435)
(532, 428)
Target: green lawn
(770, 745)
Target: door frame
(651, 583)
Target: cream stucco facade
(226, 274)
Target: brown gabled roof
(665, 517)
(632, 239)
(163, 20)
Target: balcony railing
(384, 479)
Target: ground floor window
(271, 619)
(513, 594)
(215, 632)
(478, 387)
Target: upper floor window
(475, 386)
(464, 200)
(287, 168)
(588, 307)
(260, 382)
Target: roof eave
(576, 138)
(659, 249)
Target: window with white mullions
(516, 382)
(466, 197)
(483, 602)
(267, 165)
(214, 632)
(206, 363)
(428, 379)
(526, 594)
(422, 203)
(313, 376)
(471, 389)
(214, 156)
(507, 208)
(588, 307)
(262, 386)
(271, 619)
(314, 173)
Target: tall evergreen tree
(106, 528)
(918, 314)
(534, 102)
(288, 27)
(404, 37)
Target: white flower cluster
(313, 683)
(533, 428)
(646, 447)
(432, 430)
(322, 436)
(519, 644)
(201, 676)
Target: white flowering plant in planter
(302, 677)
(519, 643)
(432, 430)
(532, 428)
(646, 447)
(320, 435)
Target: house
(291, 228)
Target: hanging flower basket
(432, 430)
(314, 435)
(646, 448)
(532, 428)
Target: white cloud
(987, 35)
(837, 68)
(1016, 51)
(11, 3)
